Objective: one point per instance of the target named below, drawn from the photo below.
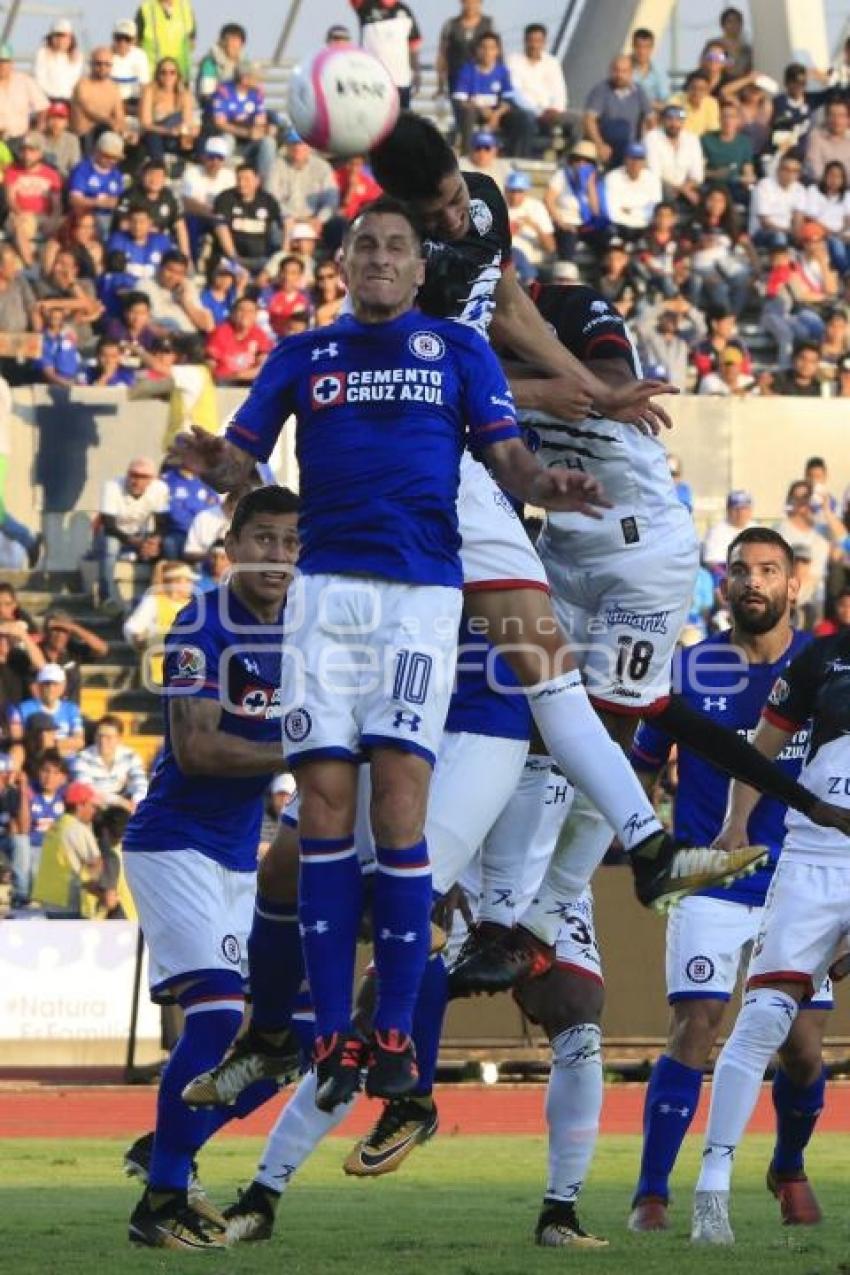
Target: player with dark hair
(806, 916)
(383, 401)
(728, 677)
(190, 849)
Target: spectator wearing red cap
(68, 880)
(237, 348)
(61, 146)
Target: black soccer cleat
(252, 1217)
(558, 1227)
(252, 1057)
(339, 1061)
(514, 956)
(174, 1224)
(665, 872)
(137, 1164)
(392, 1072)
(403, 1125)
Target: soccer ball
(343, 101)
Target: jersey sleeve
(256, 424)
(191, 664)
(488, 404)
(650, 748)
(792, 700)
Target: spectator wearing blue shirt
(484, 97)
(96, 183)
(684, 491)
(142, 246)
(108, 370)
(223, 291)
(60, 362)
(46, 801)
(188, 496)
(48, 700)
(654, 82)
(239, 110)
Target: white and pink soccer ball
(343, 101)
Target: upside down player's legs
(521, 624)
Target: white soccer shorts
(623, 615)
(708, 944)
(805, 922)
(366, 663)
(495, 551)
(195, 915)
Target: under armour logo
(404, 717)
(253, 667)
(329, 351)
(321, 927)
(408, 937)
(502, 898)
(709, 703)
(667, 1109)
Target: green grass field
(462, 1206)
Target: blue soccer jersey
(217, 650)
(143, 259)
(383, 412)
(715, 679)
(87, 179)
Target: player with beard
(728, 677)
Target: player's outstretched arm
(202, 749)
(561, 490)
(518, 325)
(215, 460)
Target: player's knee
(764, 1022)
(802, 1054)
(561, 1000)
(693, 1030)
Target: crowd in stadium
(162, 224)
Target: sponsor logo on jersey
(327, 390)
(329, 351)
(838, 666)
(599, 307)
(700, 969)
(255, 701)
(780, 692)
(377, 385)
(600, 319)
(297, 725)
(191, 665)
(480, 216)
(646, 622)
(427, 345)
(230, 949)
(504, 503)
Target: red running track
(53, 1111)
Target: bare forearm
(217, 753)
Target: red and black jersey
(586, 323)
(461, 276)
